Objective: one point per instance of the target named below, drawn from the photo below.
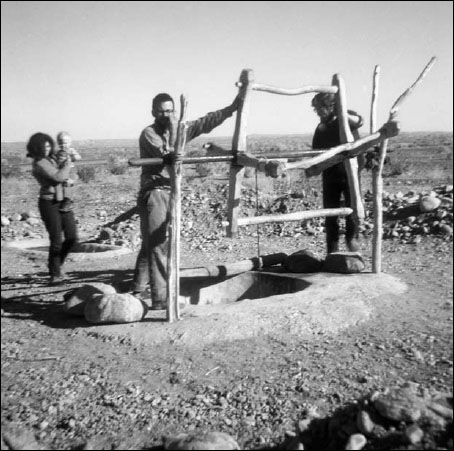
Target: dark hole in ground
(249, 285)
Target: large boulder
(75, 300)
(201, 441)
(303, 261)
(115, 308)
(344, 263)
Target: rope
(257, 213)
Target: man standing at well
(157, 141)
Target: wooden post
(351, 164)
(239, 144)
(173, 261)
(377, 184)
(378, 180)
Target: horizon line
(229, 136)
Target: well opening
(248, 285)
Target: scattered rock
(303, 261)
(33, 221)
(201, 441)
(401, 404)
(429, 203)
(76, 300)
(414, 434)
(114, 308)
(364, 423)
(106, 234)
(355, 442)
(344, 263)
(5, 221)
(16, 437)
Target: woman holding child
(59, 222)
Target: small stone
(445, 229)
(106, 234)
(33, 221)
(364, 422)
(344, 263)
(18, 438)
(303, 425)
(355, 442)
(303, 261)
(401, 404)
(5, 221)
(414, 434)
(16, 217)
(428, 203)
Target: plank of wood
(294, 216)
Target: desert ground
(67, 384)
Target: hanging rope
(257, 213)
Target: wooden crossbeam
(295, 216)
(316, 165)
(294, 91)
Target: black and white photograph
(227, 225)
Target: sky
(93, 68)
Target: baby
(64, 152)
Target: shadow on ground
(30, 296)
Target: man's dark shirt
(327, 136)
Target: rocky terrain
(385, 383)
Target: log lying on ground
(316, 165)
(231, 269)
(295, 216)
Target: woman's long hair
(36, 144)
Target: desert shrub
(392, 169)
(117, 169)
(86, 173)
(9, 171)
(203, 169)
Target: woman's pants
(58, 224)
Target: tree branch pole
(377, 184)
(378, 198)
(239, 144)
(350, 164)
(173, 261)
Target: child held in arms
(64, 153)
